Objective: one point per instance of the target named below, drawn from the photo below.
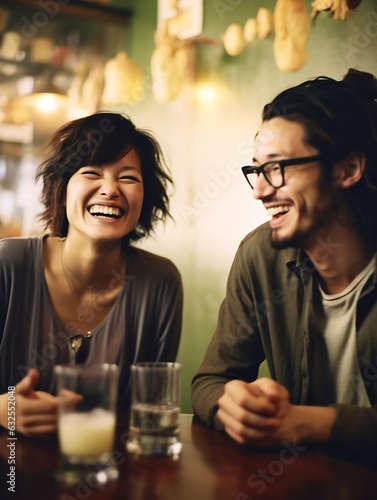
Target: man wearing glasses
(302, 290)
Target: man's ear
(349, 170)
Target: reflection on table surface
(210, 467)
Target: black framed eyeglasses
(273, 171)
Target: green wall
(204, 143)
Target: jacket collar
(298, 261)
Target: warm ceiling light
(207, 93)
(47, 103)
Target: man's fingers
(246, 396)
(254, 437)
(239, 420)
(270, 388)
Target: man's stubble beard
(295, 241)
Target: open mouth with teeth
(278, 211)
(105, 212)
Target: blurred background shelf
(79, 9)
(52, 56)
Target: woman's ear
(349, 170)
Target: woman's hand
(36, 411)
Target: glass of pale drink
(155, 408)
(87, 397)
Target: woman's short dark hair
(339, 117)
(99, 139)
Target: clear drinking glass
(155, 408)
(87, 397)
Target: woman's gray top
(143, 325)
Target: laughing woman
(82, 293)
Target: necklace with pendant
(80, 346)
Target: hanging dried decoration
(123, 81)
(292, 25)
(338, 9)
(170, 66)
(233, 39)
(265, 23)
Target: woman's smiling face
(104, 202)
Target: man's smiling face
(300, 207)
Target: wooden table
(211, 467)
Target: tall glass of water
(87, 397)
(155, 408)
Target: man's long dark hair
(339, 117)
